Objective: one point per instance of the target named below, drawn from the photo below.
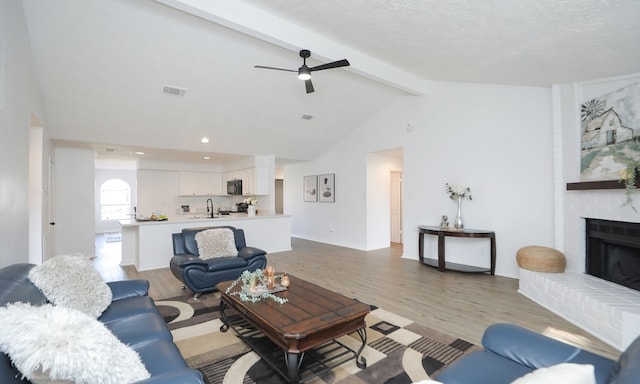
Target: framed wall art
(310, 188)
(326, 188)
(610, 126)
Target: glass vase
(457, 224)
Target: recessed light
(207, 158)
(204, 140)
(139, 153)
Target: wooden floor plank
(456, 303)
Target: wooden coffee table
(305, 328)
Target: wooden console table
(441, 263)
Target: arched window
(115, 200)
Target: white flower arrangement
(250, 200)
(254, 288)
(458, 191)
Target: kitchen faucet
(210, 207)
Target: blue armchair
(200, 275)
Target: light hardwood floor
(456, 303)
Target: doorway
(396, 206)
(384, 198)
(279, 196)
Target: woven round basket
(541, 259)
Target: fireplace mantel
(592, 185)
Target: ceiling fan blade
(309, 86)
(277, 69)
(335, 64)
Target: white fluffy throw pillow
(71, 281)
(566, 373)
(216, 242)
(65, 344)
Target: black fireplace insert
(613, 251)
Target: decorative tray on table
(260, 289)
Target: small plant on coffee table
(254, 288)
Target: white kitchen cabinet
(188, 183)
(247, 187)
(199, 184)
(228, 176)
(215, 184)
(256, 181)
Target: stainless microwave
(234, 187)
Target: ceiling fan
(304, 72)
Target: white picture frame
(310, 188)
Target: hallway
(108, 256)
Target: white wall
(75, 196)
(576, 205)
(19, 98)
(495, 139)
(342, 222)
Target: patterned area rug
(398, 351)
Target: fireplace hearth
(599, 301)
(613, 251)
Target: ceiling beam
(265, 26)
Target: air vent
(307, 116)
(174, 90)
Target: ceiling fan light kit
(304, 72)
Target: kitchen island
(148, 244)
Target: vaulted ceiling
(103, 65)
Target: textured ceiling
(515, 42)
(102, 64)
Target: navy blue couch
(132, 317)
(200, 275)
(511, 352)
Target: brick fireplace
(606, 309)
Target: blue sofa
(511, 352)
(132, 317)
(201, 276)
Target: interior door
(50, 234)
(396, 207)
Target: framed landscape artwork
(609, 124)
(311, 188)
(326, 188)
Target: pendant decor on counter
(458, 192)
(251, 210)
